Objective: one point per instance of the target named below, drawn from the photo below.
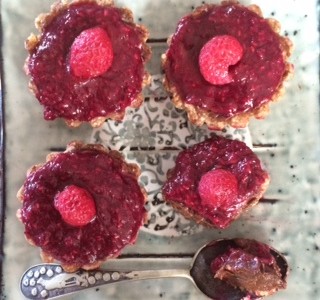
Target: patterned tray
(152, 136)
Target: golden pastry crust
(45, 19)
(199, 116)
(130, 168)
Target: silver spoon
(47, 281)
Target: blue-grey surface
(290, 225)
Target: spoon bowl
(217, 289)
(48, 281)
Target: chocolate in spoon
(228, 269)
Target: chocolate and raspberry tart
(214, 181)
(88, 62)
(239, 269)
(225, 64)
(82, 206)
(252, 267)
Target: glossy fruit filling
(118, 206)
(253, 79)
(187, 183)
(64, 93)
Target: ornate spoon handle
(46, 281)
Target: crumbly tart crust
(199, 116)
(131, 169)
(190, 214)
(61, 5)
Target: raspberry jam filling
(255, 77)
(115, 218)
(65, 94)
(189, 181)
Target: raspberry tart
(88, 63)
(82, 206)
(214, 181)
(226, 64)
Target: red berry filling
(75, 205)
(216, 56)
(236, 168)
(91, 53)
(253, 80)
(218, 188)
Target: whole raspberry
(91, 53)
(75, 205)
(216, 56)
(218, 188)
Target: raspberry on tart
(82, 206)
(88, 62)
(226, 64)
(75, 205)
(214, 181)
(91, 53)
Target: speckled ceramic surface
(287, 142)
